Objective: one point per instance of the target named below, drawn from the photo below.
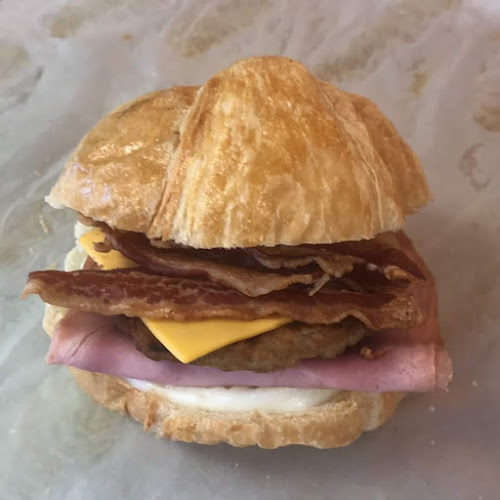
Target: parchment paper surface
(433, 66)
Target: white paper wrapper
(433, 66)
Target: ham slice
(413, 359)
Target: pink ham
(412, 359)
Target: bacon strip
(135, 293)
(232, 268)
(258, 271)
(387, 253)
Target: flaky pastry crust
(262, 154)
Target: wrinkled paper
(433, 67)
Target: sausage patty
(270, 351)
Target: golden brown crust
(333, 424)
(411, 184)
(262, 154)
(117, 173)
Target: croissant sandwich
(241, 274)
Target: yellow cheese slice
(189, 340)
(107, 260)
(186, 340)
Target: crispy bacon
(231, 268)
(386, 253)
(138, 293)
(258, 271)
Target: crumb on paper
(126, 37)
(37, 173)
(43, 223)
(420, 79)
(31, 251)
(469, 167)
(52, 265)
(474, 383)
(432, 408)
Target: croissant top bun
(262, 154)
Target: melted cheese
(107, 260)
(186, 340)
(189, 340)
